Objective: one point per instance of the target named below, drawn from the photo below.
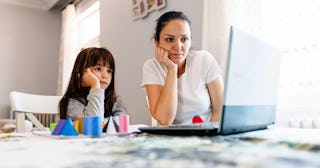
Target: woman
(181, 83)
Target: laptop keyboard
(200, 125)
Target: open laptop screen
(251, 84)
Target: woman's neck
(181, 69)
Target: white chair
(310, 123)
(154, 122)
(24, 104)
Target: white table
(275, 147)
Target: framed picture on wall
(161, 4)
(134, 2)
(152, 5)
(143, 8)
(135, 12)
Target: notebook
(250, 95)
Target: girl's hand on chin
(90, 80)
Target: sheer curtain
(218, 15)
(68, 47)
(292, 26)
(80, 29)
(215, 29)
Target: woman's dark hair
(87, 58)
(164, 19)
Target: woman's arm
(215, 89)
(163, 100)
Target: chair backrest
(31, 103)
(25, 105)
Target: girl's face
(103, 73)
(175, 38)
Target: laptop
(250, 95)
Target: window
(80, 29)
(292, 26)
(88, 24)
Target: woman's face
(175, 37)
(104, 74)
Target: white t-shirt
(193, 96)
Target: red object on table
(197, 119)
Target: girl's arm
(118, 109)
(95, 98)
(215, 89)
(93, 108)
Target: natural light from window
(293, 26)
(89, 26)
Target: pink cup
(123, 123)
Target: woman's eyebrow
(169, 35)
(182, 35)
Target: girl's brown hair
(87, 58)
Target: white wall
(29, 52)
(131, 44)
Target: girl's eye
(97, 68)
(109, 71)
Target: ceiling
(38, 4)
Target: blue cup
(92, 126)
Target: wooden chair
(26, 105)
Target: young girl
(91, 89)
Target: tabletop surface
(274, 147)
